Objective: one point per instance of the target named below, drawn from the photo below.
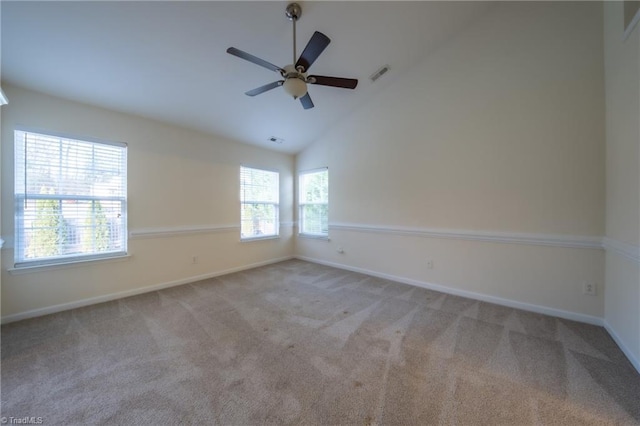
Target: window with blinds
(259, 203)
(71, 199)
(313, 201)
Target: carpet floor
(301, 343)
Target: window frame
(20, 259)
(275, 204)
(301, 205)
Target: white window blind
(313, 201)
(259, 203)
(70, 198)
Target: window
(71, 199)
(259, 198)
(313, 200)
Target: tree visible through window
(313, 199)
(70, 199)
(259, 203)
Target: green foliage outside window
(50, 230)
(95, 237)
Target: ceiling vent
(382, 71)
(275, 140)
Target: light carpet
(301, 343)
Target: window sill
(315, 237)
(269, 237)
(69, 264)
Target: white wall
(622, 77)
(177, 179)
(500, 133)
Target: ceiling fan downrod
(293, 13)
(295, 79)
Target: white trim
(630, 356)
(320, 237)
(186, 230)
(589, 319)
(554, 240)
(142, 233)
(64, 264)
(316, 170)
(630, 251)
(265, 238)
(122, 294)
(265, 169)
(181, 230)
(1, 243)
(634, 21)
(63, 135)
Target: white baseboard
(122, 294)
(630, 356)
(589, 319)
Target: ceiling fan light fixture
(295, 87)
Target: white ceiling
(168, 60)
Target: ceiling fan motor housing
(290, 71)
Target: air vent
(382, 71)
(275, 140)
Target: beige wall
(500, 132)
(622, 77)
(177, 179)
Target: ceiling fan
(295, 75)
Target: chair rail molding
(630, 251)
(555, 240)
(181, 230)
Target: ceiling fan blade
(264, 88)
(306, 101)
(249, 57)
(314, 48)
(345, 83)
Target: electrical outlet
(340, 250)
(589, 289)
(429, 264)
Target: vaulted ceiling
(167, 60)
